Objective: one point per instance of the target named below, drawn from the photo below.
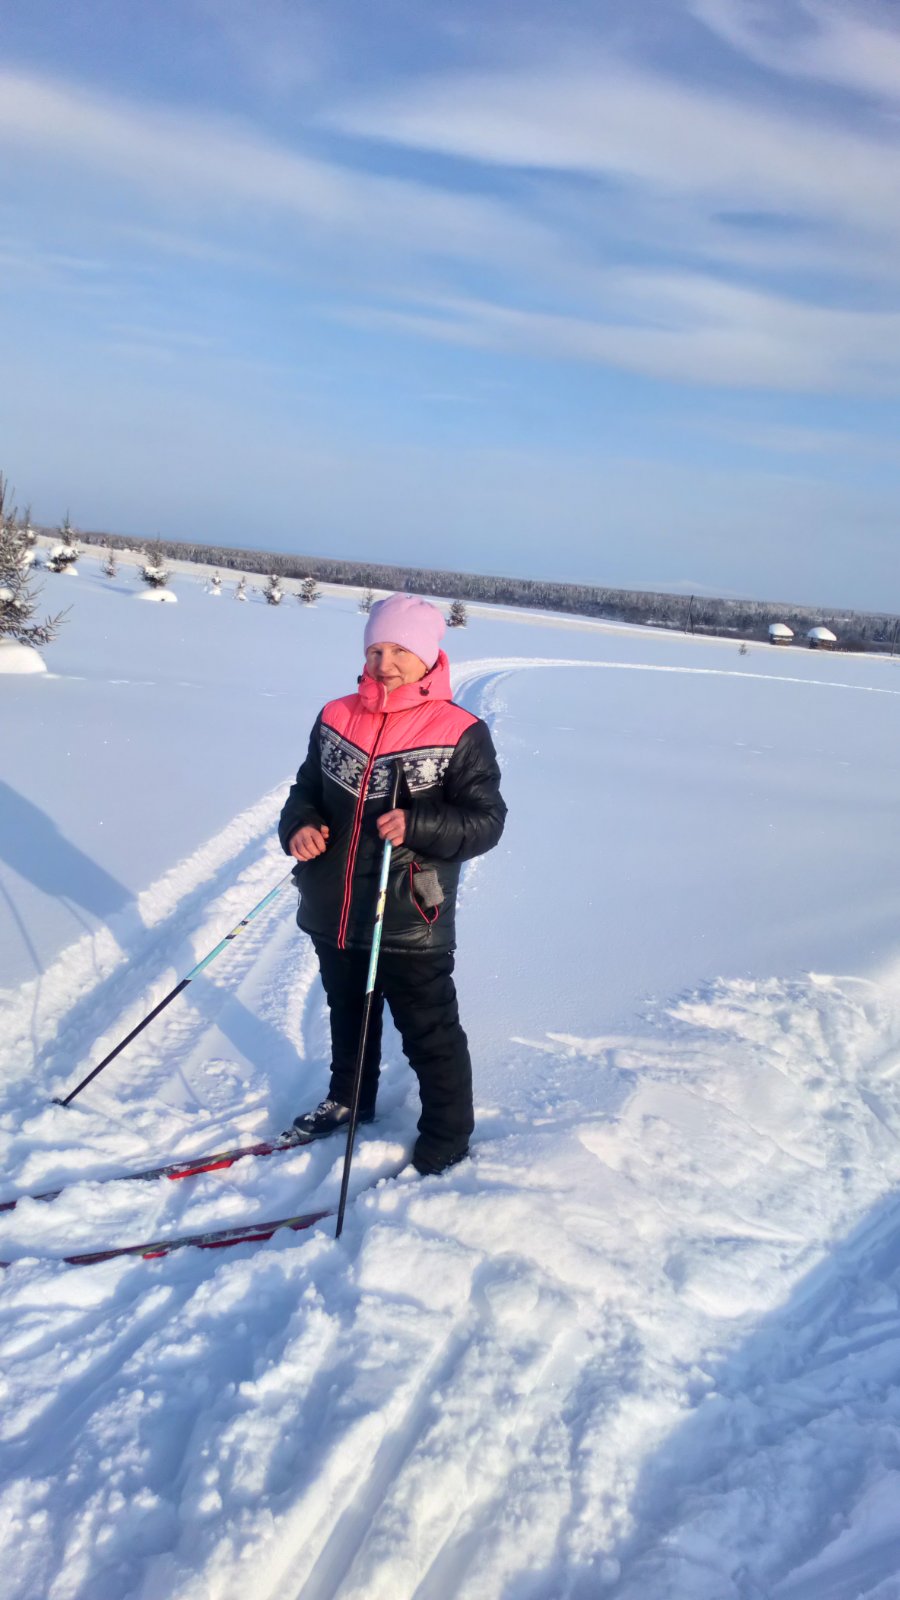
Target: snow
(19, 658)
(645, 1344)
(157, 595)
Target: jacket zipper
(354, 837)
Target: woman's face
(392, 666)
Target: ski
(211, 1238)
(191, 1167)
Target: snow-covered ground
(646, 1344)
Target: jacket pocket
(426, 890)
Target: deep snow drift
(645, 1343)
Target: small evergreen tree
(154, 571)
(273, 591)
(367, 601)
(309, 594)
(240, 592)
(64, 556)
(110, 566)
(215, 583)
(18, 597)
(29, 536)
(457, 617)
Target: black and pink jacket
(450, 788)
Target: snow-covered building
(821, 639)
(780, 633)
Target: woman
(334, 823)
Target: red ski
(211, 1239)
(189, 1168)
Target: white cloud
(80, 276)
(619, 122)
(282, 48)
(678, 161)
(220, 164)
(684, 328)
(780, 194)
(835, 44)
(191, 247)
(800, 440)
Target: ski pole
(173, 992)
(367, 1004)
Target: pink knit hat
(407, 620)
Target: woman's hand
(309, 842)
(391, 826)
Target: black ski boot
(329, 1117)
(428, 1160)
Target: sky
(596, 291)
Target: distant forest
(738, 619)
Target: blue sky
(599, 291)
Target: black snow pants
(420, 992)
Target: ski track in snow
(477, 1392)
(470, 672)
(56, 1016)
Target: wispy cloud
(801, 440)
(140, 333)
(156, 353)
(511, 219)
(621, 123)
(217, 163)
(684, 328)
(759, 205)
(192, 246)
(29, 262)
(281, 47)
(840, 44)
(763, 236)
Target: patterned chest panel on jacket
(345, 763)
(342, 761)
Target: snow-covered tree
(240, 592)
(215, 583)
(457, 617)
(18, 597)
(273, 591)
(367, 601)
(110, 566)
(64, 555)
(154, 571)
(309, 594)
(29, 535)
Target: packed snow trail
(468, 1390)
(643, 1344)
